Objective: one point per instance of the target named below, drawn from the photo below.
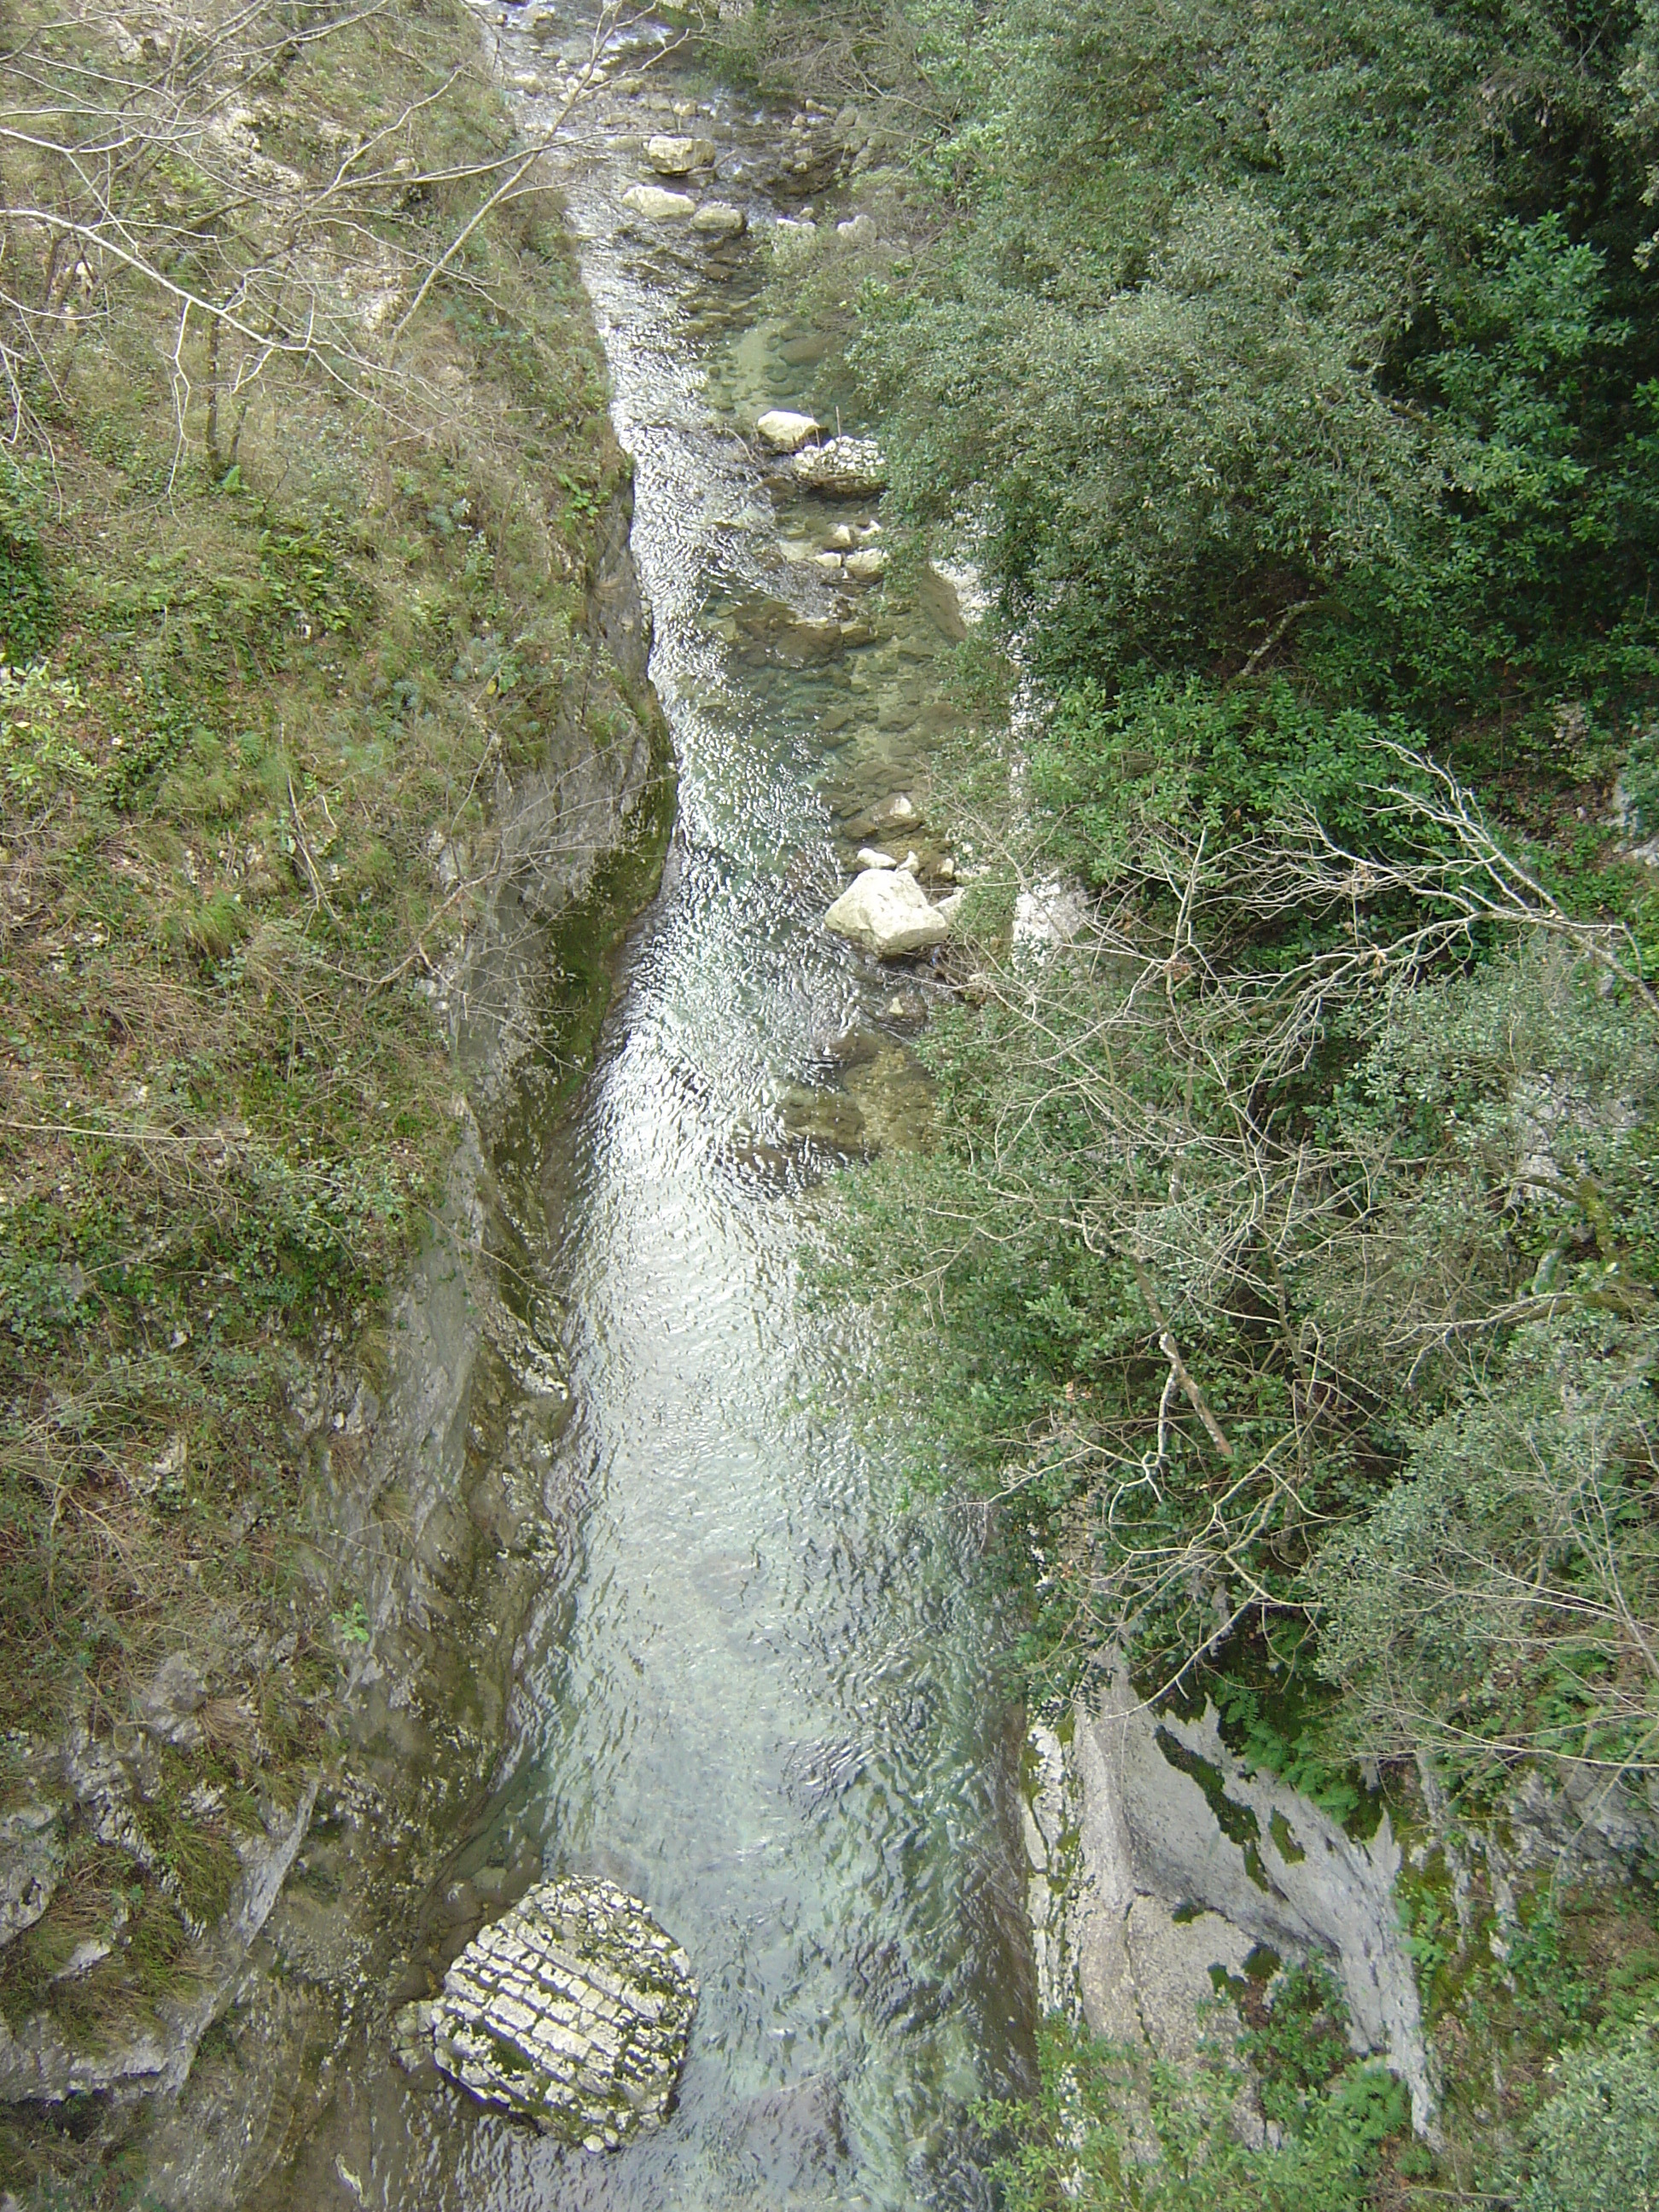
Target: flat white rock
(785, 432)
(886, 911)
(720, 219)
(651, 200)
(870, 857)
(677, 157)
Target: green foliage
(1549, 1974)
(1486, 1600)
(1081, 2140)
(1539, 553)
(1288, 1729)
(1290, 1236)
(1295, 331)
(1595, 2141)
(1108, 763)
(29, 616)
(1300, 2047)
(40, 762)
(26, 613)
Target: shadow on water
(761, 1692)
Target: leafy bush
(1594, 2143)
(1084, 2141)
(40, 758)
(1490, 1598)
(1290, 333)
(26, 613)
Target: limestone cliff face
(431, 1524)
(601, 796)
(439, 1509)
(1137, 1890)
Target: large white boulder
(785, 432)
(653, 201)
(886, 911)
(677, 157)
(571, 2010)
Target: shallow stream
(763, 1694)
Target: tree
(159, 165)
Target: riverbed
(762, 1693)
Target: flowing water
(762, 1696)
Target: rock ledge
(571, 2010)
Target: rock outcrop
(573, 2011)
(886, 911)
(31, 1861)
(1137, 1888)
(152, 2049)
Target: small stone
(813, 640)
(840, 539)
(867, 564)
(412, 2036)
(870, 857)
(175, 1694)
(829, 562)
(886, 911)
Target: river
(764, 1695)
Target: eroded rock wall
(1138, 1888)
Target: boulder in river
(720, 219)
(785, 432)
(677, 157)
(886, 911)
(843, 468)
(653, 201)
(573, 2011)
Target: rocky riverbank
(223, 1810)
